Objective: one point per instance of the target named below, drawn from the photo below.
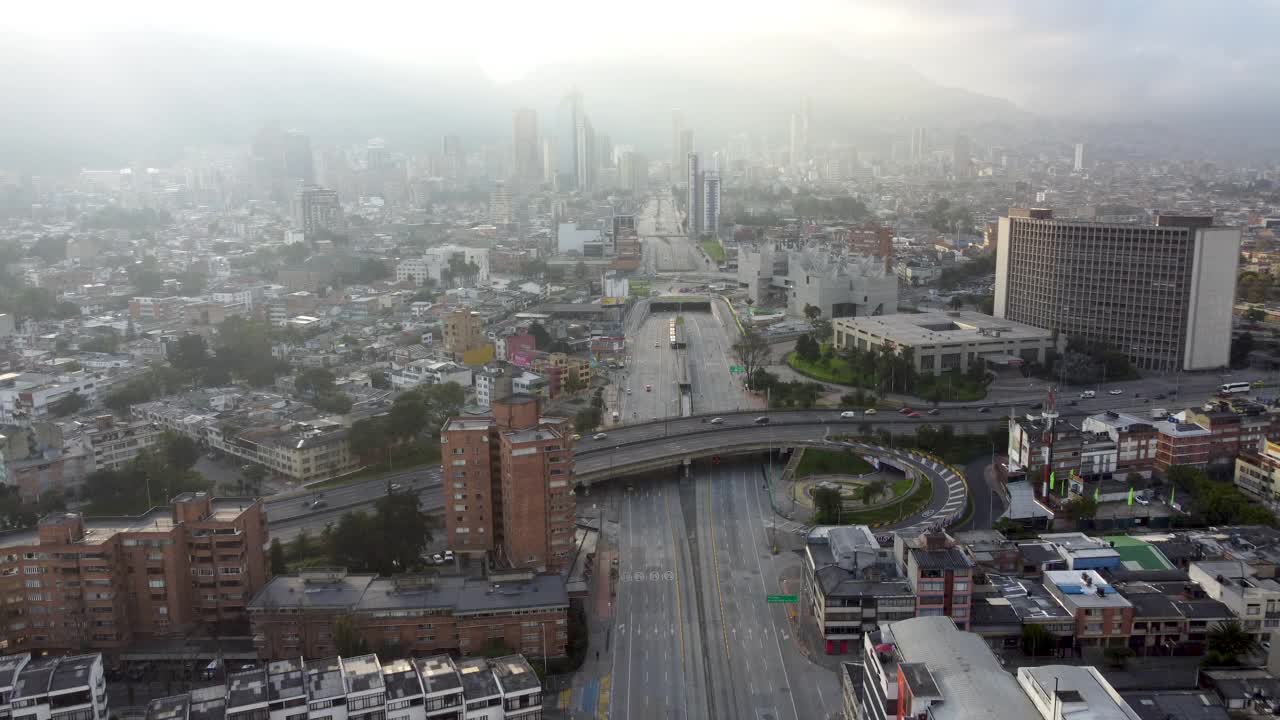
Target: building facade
(1161, 294)
(107, 582)
(509, 481)
(942, 342)
(299, 615)
(317, 208)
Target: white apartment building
(1252, 599)
(430, 372)
(435, 261)
(115, 444)
(68, 688)
(26, 397)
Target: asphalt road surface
(694, 636)
(289, 515)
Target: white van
(1087, 394)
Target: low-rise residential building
(430, 372)
(115, 444)
(1258, 474)
(946, 341)
(1082, 552)
(939, 573)
(73, 687)
(366, 688)
(926, 668)
(1068, 691)
(28, 397)
(852, 585)
(1252, 598)
(1103, 617)
(155, 309)
(296, 614)
(103, 583)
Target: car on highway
(935, 411)
(904, 411)
(984, 410)
(396, 487)
(869, 411)
(1087, 394)
(648, 388)
(762, 420)
(628, 391)
(717, 421)
(437, 559)
(318, 503)
(913, 414)
(848, 414)
(599, 436)
(576, 436)
(1115, 392)
(655, 344)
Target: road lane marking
(759, 515)
(674, 574)
(715, 561)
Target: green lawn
(832, 462)
(1138, 554)
(713, 250)
(903, 508)
(952, 387)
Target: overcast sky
(1070, 57)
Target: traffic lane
(687, 609)
(952, 416)
(430, 499)
(722, 693)
(360, 491)
(759, 658)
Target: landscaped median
(713, 250)
(845, 472)
(837, 370)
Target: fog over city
(142, 79)
(666, 360)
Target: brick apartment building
(1214, 437)
(1103, 617)
(509, 482)
(74, 583)
(939, 573)
(295, 615)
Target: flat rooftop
(1084, 589)
(942, 328)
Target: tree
(587, 419)
(572, 383)
(347, 640)
(190, 354)
(870, 491)
(379, 380)
(956, 302)
(68, 405)
(253, 474)
(334, 402)
(314, 382)
(1255, 314)
(1117, 655)
(828, 506)
(541, 338)
(1228, 640)
(808, 349)
(1241, 346)
(1036, 639)
(752, 350)
(368, 437)
(180, 451)
(1080, 508)
(300, 549)
(278, 564)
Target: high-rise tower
(525, 137)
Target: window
(155, 583)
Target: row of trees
(152, 477)
(243, 352)
(388, 541)
(414, 412)
(1216, 503)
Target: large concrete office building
(942, 341)
(1162, 294)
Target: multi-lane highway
(289, 514)
(694, 635)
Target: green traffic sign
(782, 599)
(736, 369)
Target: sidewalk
(588, 697)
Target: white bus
(1235, 387)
